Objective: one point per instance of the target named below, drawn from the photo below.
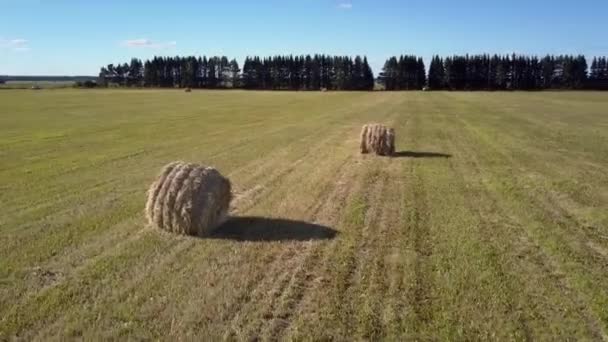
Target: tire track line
(548, 266)
(306, 272)
(287, 255)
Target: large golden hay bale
(378, 138)
(188, 199)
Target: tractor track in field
(373, 276)
(548, 265)
(287, 253)
(489, 227)
(32, 293)
(287, 300)
(329, 213)
(303, 277)
(297, 267)
(542, 197)
(398, 253)
(350, 256)
(419, 289)
(289, 289)
(421, 245)
(153, 265)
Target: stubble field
(491, 222)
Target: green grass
(491, 222)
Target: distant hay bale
(187, 90)
(378, 139)
(324, 90)
(188, 199)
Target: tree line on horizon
(403, 73)
(307, 73)
(406, 72)
(509, 72)
(270, 73)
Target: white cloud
(147, 43)
(17, 42)
(345, 5)
(14, 44)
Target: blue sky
(62, 37)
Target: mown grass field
(490, 223)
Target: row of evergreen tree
(468, 72)
(193, 72)
(307, 73)
(403, 73)
(598, 76)
(514, 72)
(276, 73)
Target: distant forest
(408, 72)
(484, 72)
(8, 78)
(271, 73)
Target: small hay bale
(377, 138)
(187, 90)
(189, 199)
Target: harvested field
(489, 222)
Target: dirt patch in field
(43, 277)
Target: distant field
(490, 223)
(41, 84)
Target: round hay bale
(378, 139)
(187, 90)
(189, 199)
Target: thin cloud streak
(147, 43)
(14, 44)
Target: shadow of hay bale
(270, 229)
(412, 154)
